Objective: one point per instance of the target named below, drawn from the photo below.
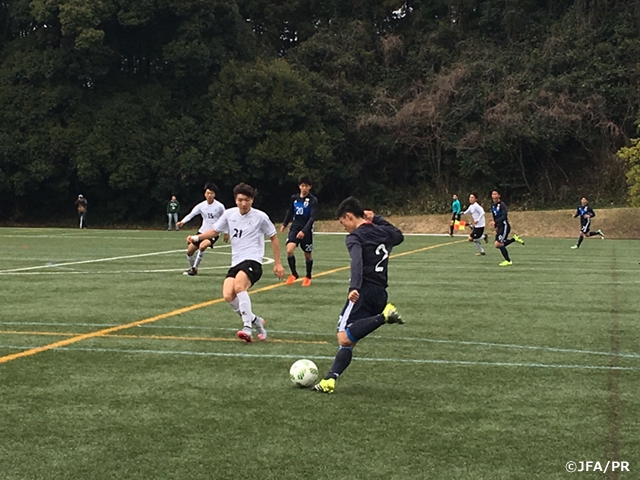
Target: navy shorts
(252, 268)
(586, 226)
(373, 299)
(502, 231)
(455, 217)
(305, 243)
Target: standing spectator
(173, 207)
(81, 204)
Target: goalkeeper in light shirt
(477, 213)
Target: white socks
(244, 302)
(199, 257)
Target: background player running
(247, 228)
(455, 213)
(502, 226)
(210, 210)
(586, 213)
(302, 212)
(477, 213)
(369, 242)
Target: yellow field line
(156, 337)
(105, 331)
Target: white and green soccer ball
(303, 373)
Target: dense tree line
(399, 102)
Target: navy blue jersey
(369, 247)
(582, 211)
(302, 212)
(499, 211)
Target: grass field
(498, 373)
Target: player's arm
(357, 267)
(591, 212)
(577, 214)
(278, 269)
(288, 216)
(190, 215)
(208, 235)
(396, 236)
(313, 215)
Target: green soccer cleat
(573, 247)
(327, 385)
(391, 315)
(518, 239)
(505, 263)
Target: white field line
(376, 337)
(107, 259)
(324, 357)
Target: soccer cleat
(391, 315)
(573, 247)
(518, 239)
(486, 239)
(599, 232)
(505, 263)
(480, 253)
(191, 272)
(306, 282)
(327, 385)
(259, 323)
(242, 335)
(291, 279)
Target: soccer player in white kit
(210, 210)
(477, 213)
(247, 228)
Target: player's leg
(169, 220)
(356, 321)
(202, 248)
(451, 224)
(307, 247)
(584, 230)
(501, 235)
(191, 258)
(292, 243)
(247, 273)
(475, 237)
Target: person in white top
(477, 213)
(247, 228)
(210, 210)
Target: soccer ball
(303, 373)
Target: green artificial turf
(498, 373)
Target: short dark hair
(244, 189)
(211, 186)
(497, 191)
(304, 179)
(350, 205)
(474, 194)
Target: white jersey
(210, 214)
(477, 212)
(246, 232)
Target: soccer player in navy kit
(302, 212)
(586, 213)
(502, 226)
(369, 242)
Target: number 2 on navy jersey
(381, 250)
